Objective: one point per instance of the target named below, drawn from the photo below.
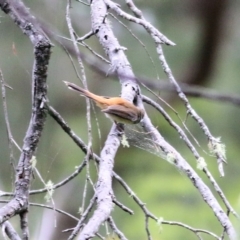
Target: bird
(116, 108)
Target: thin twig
(162, 85)
(58, 185)
(152, 30)
(84, 79)
(124, 208)
(53, 208)
(56, 116)
(115, 229)
(83, 217)
(81, 144)
(87, 4)
(213, 141)
(141, 43)
(147, 228)
(5, 112)
(199, 159)
(147, 213)
(87, 47)
(48, 207)
(86, 36)
(136, 11)
(88, 105)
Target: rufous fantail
(116, 108)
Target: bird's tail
(85, 93)
(76, 88)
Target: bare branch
(82, 145)
(115, 229)
(103, 191)
(178, 161)
(54, 209)
(53, 113)
(121, 65)
(147, 227)
(213, 141)
(83, 75)
(10, 231)
(83, 217)
(21, 16)
(148, 214)
(123, 69)
(124, 208)
(137, 12)
(157, 36)
(199, 159)
(47, 207)
(162, 85)
(158, 85)
(103, 187)
(5, 111)
(24, 225)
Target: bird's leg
(120, 127)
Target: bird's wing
(122, 113)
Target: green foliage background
(166, 192)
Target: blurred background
(206, 56)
